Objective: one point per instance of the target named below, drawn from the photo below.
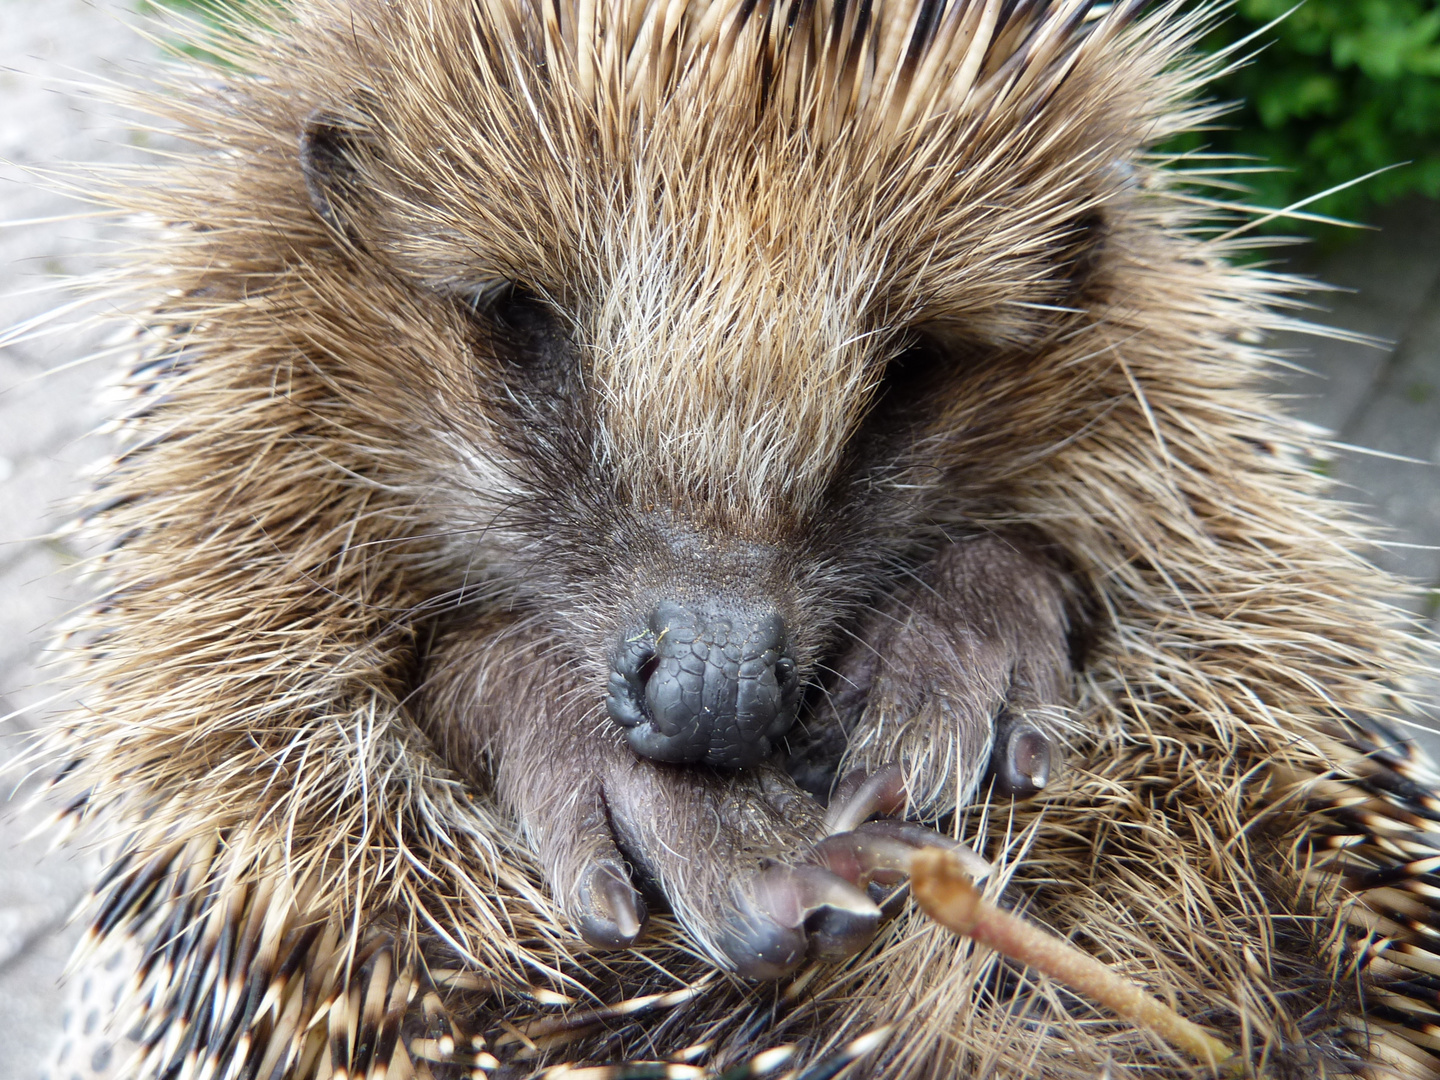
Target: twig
(946, 893)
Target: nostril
(716, 684)
(631, 670)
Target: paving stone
(1384, 399)
(1385, 277)
(41, 412)
(1400, 419)
(1337, 374)
(37, 903)
(39, 890)
(44, 121)
(36, 497)
(35, 1002)
(37, 595)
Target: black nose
(713, 686)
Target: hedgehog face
(710, 390)
(683, 492)
(697, 514)
(708, 373)
(702, 491)
(678, 518)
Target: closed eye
(913, 376)
(519, 328)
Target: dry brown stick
(946, 893)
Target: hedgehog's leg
(506, 711)
(739, 857)
(967, 669)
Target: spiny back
(735, 204)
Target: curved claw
(795, 910)
(915, 836)
(609, 913)
(880, 851)
(760, 949)
(1022, 760)
(860, 795)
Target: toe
(838, 918)
(758, 946)
(575, 844)
(861, 795)
(1022, 760)
(608, 912)
(881, 850)
(792, 912)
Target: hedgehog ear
(332, 150)
(1085, 250)
(1089, 236)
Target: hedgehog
(601, 484)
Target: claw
(860, 795)
(1022, 759)
(609, 912)
(758, 946)
(880, 851)
(915, 836)
(795, 910)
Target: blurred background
(1337, 90)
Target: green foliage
(209, 9)
(1341, 88)
(192, 21)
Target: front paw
(760, 875)
(962, 675)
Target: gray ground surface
(1386, 398)
(43, 445)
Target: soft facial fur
(667, 382)
(479, 332)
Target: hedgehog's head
(720, 318)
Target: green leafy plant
(1338, 89)
(190, 20)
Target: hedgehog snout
(708, 683)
